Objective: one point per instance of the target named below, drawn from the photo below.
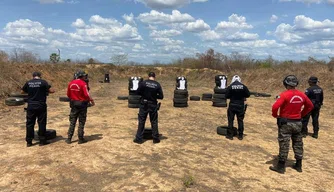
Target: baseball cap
(36, 74)
(151, 74)
(313, 79)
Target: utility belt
(78, 104)
(283, 121)
(147, 102)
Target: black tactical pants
(239, 111)
(315, 121)
(285, 132)
(81, 113)
(40, 114)
(144, 110)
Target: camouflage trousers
(285, 132)
(76, 113)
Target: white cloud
(197, 26)
(105, 30)
(79, 23)
(273, 19)
(129, 19)
(101, 48)
(155, 17)
(165, 33)
(242, 36)
(235, 22)
(73, 2)
(167, 41)
(168, 4)
(253, 44)
(331, 2)
(209, 35)
(305, 29)
(50, 1)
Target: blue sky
(165, 30)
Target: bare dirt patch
(190, 157)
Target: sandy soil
(190, 157)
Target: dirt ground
(190, 157)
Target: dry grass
(190, 157)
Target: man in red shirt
(78, 92)
(290, 103)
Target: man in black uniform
(150, 90)
(37, 90)
(237, 93)
(316, 95)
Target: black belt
(293, 120)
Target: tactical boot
(29, 143)
(315, 135)
(241, 137)
(68, 140)
(279, 168)
(138, 141)
(156, 141)
(298, 165)
(82, 140)
(43, 142)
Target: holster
(281, 121)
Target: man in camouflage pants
(289, 104)
(78, 92)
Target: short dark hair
(151, 74)
(36, 74)
(313, 79)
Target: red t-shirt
(290, 103)
(77, 90)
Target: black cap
(36, 74)
(151, 74)
(313, 79)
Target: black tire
(133, 105)
(122, 97)
(195, 98)
(180, 105)
(207, 95)
(206, 99)
(134, 97)
(178, 96)
(219, 100)
(177, 100)
(181, 92)
(64, 99)
(222, 104)
(253, 93)
(222, 130)
(49, 134)
(134, 101)
(263, 95)
(219, 91)
(14, 101)
(132, 93)
(19, 95)
(219, 96)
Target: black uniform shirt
(237, 92)
(150, 90)
(37, 90)
(315, 94)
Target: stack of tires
(180, 99)
(134, 99)
(219, 96)
(181, 93)
(16, 99)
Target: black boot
(68, 140)
(298, 165)
(82, 140)
(29, 143)
(279, 168)
(315, 135)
